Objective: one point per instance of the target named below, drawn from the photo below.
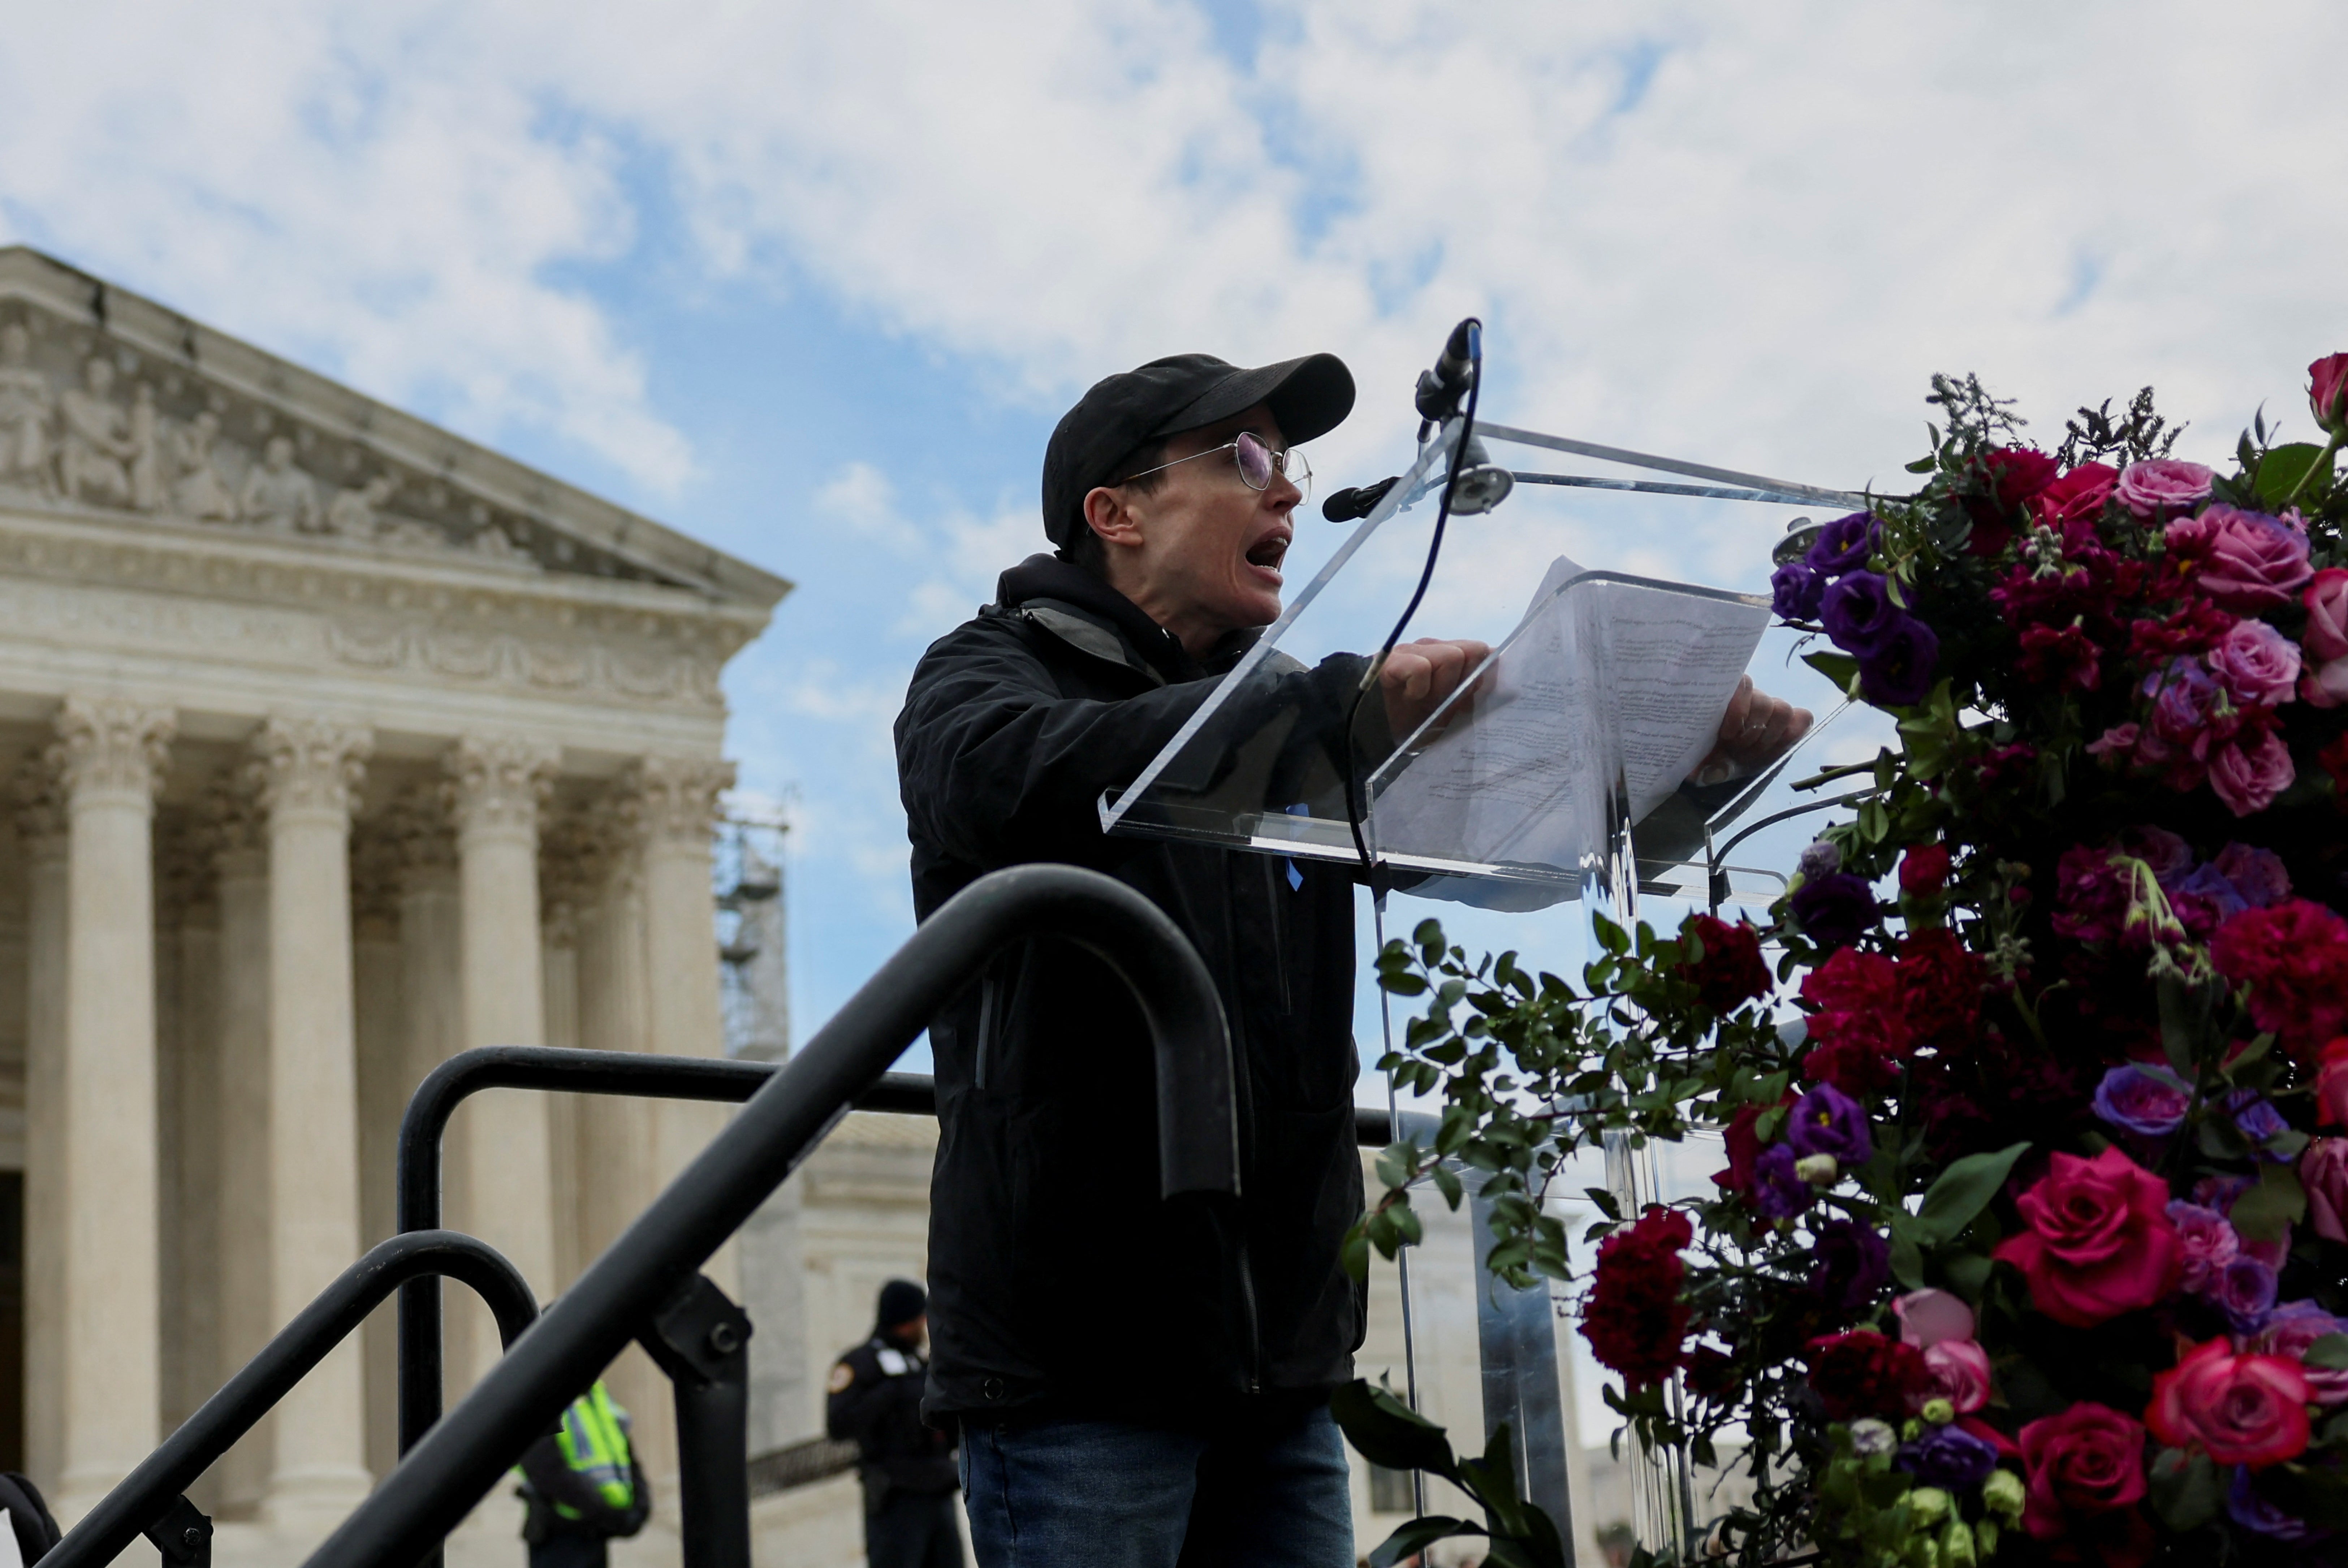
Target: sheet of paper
(1599, 681)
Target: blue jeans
(1107, 1495)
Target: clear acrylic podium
(1560, 773)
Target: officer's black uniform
(907, 1469)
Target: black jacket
(875, 1401)
(1059, 1283)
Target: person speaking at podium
(1131, 1393)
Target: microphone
(1347, 505)
(1440, 389)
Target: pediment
(110, 403)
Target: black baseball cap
(1310, 397)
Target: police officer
(907, 1469)
(583, 1485)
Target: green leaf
(2185, 1490)
(1907, 1260)
(1385, 1431)
(2262, 1213)
(1446, 1182)
(1839, 668)
(2282, 468)
(2330, 1353)
(1417, 1535)
(1961, 1191)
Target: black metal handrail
(151, 1491)
(461, 1458)
(444, 1087)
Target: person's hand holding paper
(1754, 731)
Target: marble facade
(340, 744)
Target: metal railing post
(701, 1339)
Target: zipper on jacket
(1278, 909)
(985, 1026)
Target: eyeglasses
(1256, 461)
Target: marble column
(309, 769)
(188, 1079)
(41, 832)
(240, 869)
(672, 803)
(382, 1046)
(495, 789)
(430, 1015)
(109, 754)
(567, 873)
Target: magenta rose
(2249, 778)
(1959, 1373)
(2255, 664)
(2099, 1241)
(2087, 1461)
(2242, 1409)
(2326, 598)
(2162, 487)
(2290, 1330)
(2249, 561)
(2327, 392)
(2324, 1172)
(2209, 1239)
(1928, 1316)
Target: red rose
(2293, 957)
(2332, 1086)
(1634, 1319)
(2017, 473)
(2100, 1242)
(1924, 870)
(2082, 1464)
(1860, 1028)
(2327, 392)
(1731, 971)
(2244, 1410)
(1864, 1374)
(1743, 1147)
(2077, 497)
(1940, 983)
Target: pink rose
(2324, 1172)
(2210, 1242)
(2326, 685)
(2327, 392)
(2099, 1241)
(2249, 561)
(2245, 1409)
(2290, 1330)
(2331, 1085)
(2256, 663)
(1959, 1370)
(2249, 778)
(2326, 598)
(1928, 1316)
(2162, 487)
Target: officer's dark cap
(901, 1300)
(1310, 397)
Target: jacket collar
(1047, 584)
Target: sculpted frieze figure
(351, 515)
(25, 408)
(95, 453)
(146, 458)
(279, 496)
(199, 489)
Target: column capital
(234, 828)
(186, 852)
(575, 858)
(376, 882)
(671, 802)
(309, 767)
(496, 785)
(417, 824)
(112, 748)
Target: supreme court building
(339, 744)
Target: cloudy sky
(813, 282)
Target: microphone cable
(1467, 348)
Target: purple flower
(1858, 613)
(2245, 1289)
(1833, 910)
(2205, 899)
(2169, 856)
(1795, 590)
(1777, 1192)
(1844, 544)
(2210, 1244)
(1849, 1264)
(2161, 487)
(2257, 1119)
(2290, 1330)
(2220, 1192)
(1900, 671)
(2254, 1513)
(1820, 860)
(2185, 698)
(2148, 1101)
(2257, 874)
(1950, 1458)
(1828, 1121)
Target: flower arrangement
(2032, 1241)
